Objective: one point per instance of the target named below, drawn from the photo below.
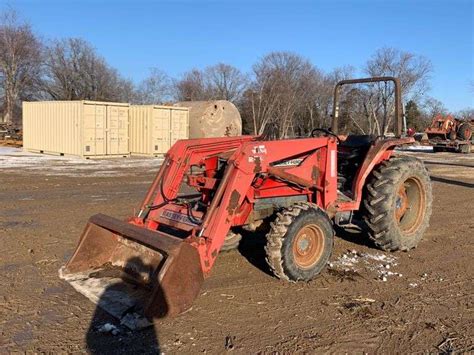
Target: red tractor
(208, 188)
(449, 133)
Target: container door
(161, 130)
(94, 129)
(112, 130)
(117, 130)
(123, 127)
(179, 125)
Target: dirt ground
(365, 301)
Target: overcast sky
(176, 36)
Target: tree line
(284, 94)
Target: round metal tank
(217, 118)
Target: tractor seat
(358, 141)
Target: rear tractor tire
(397, 203)
(465, 132)
(300, 242)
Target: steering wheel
(327, 132)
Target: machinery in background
(447, 133)
(8, 131)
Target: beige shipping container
(83, 128)
(154, 129)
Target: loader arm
(246, 158)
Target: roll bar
(398, 100)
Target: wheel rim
(308, 246)
(401, 203)
(467, 134)
(410, 205)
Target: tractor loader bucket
(134, 273)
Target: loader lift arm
(251, 159)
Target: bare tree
(224, 82)
(20, 62)
(414, 73)
(125, 90)
(216, 82)
(325, 93)
(155, 89)
(191, 87)
(466, 113)
(74, 71)
(310, 115)
(281, 94)
(433, 107)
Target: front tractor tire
(299, 242)
(231, 241)
(397, 203)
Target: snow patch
(9, 150)
(415, 148)
(380, 264)
(14, 159)
(111, 294)
(109, 328)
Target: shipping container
(84, 128)
(154, 129)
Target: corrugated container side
(52, 127)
